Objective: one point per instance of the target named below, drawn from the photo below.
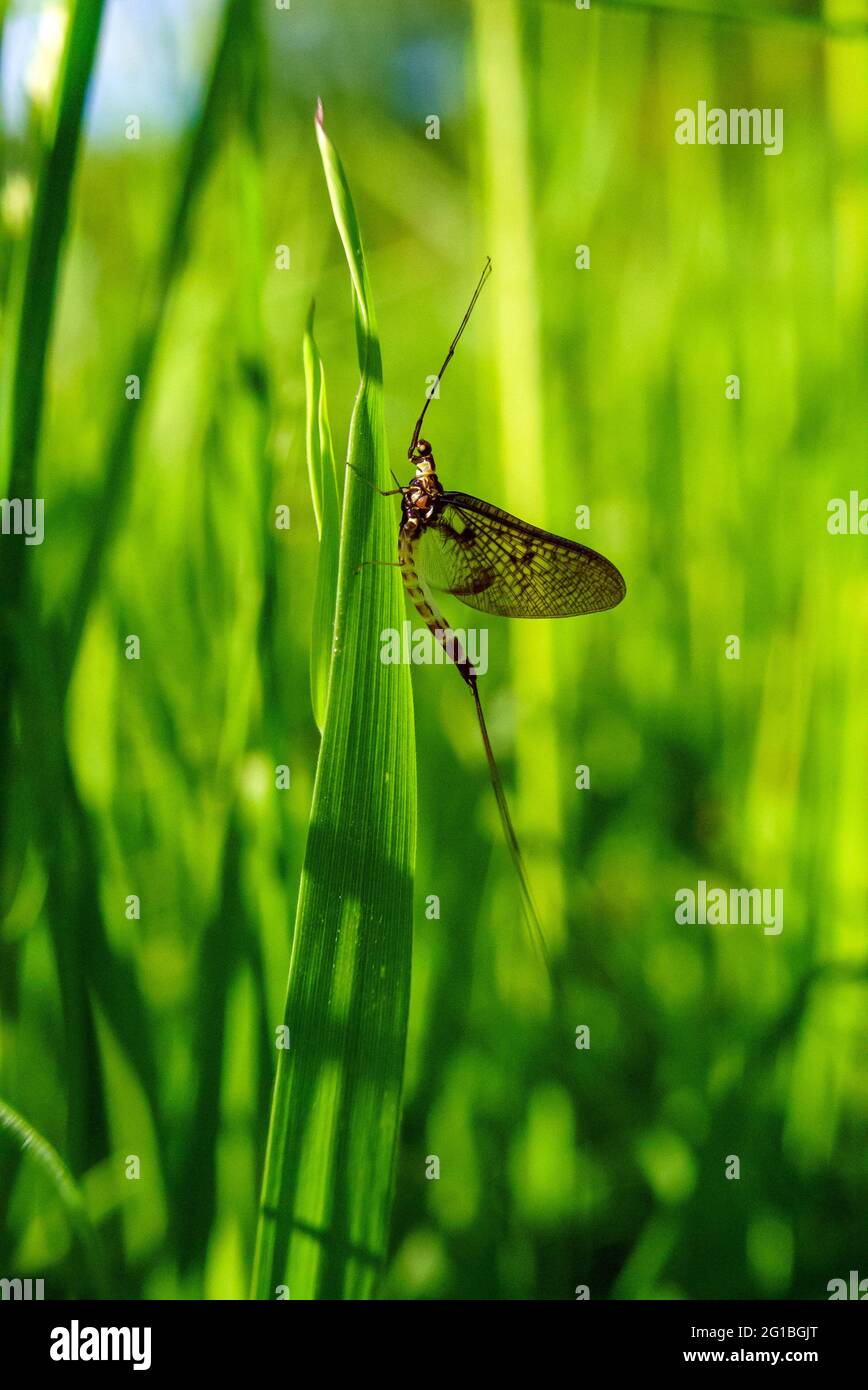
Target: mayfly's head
(423, 458)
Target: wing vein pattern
(499, 564)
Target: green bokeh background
(603, 387)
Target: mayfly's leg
(391, 492)
(390, 564)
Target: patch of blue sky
(152, 55)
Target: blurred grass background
(606, 387)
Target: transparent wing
(499, 564)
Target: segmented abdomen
(429, 614)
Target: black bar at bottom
(85, 1338)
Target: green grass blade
(31, 1142)
(333, 1134)
(29, 327)
(201, 149)
(48, 229)
(27, 331)
(326, 504)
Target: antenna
(486, 271)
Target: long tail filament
(511, 838)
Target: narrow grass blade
(48, 229)
(503, 77)
(326, 505)
(29, 326)
(333, 1135)
(203, 144)
(29, 1141)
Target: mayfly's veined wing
(499, 564)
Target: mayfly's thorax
(422, 495)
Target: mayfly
(458, 545)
